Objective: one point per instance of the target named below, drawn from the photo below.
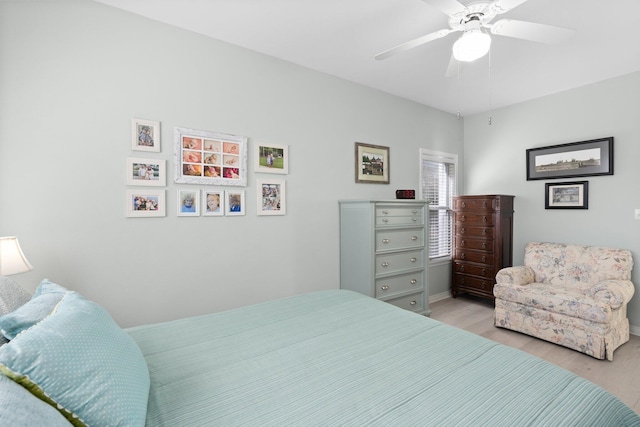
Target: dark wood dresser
(482, 242)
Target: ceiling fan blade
(503, 6)
(413, 43)
(448, 7)
(540, 33)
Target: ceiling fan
(472, 19)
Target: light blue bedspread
(337, 358)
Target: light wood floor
(620, 377)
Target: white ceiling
(341, 37)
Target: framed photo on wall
(566, 195)
(372, 163)
(145, 135)
(209, 158)
(271, 158)
(234, 203)
(150, 172)
(188, 202)
(145, 203)
(212, 203)
(576, 159)
(271, 197)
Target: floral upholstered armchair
(571, 295)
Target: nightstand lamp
(12, 259)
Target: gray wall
(494, 159)
(72, 76)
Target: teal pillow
(79, 361)
(43, 301)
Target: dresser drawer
(474, 256)
(463, 230)
(387, 211)
(474, 269)
(476, 204)
(393, 285)
(474, 219)
(484, 285)
(389, 240)
(397, 262)
(399, 221)
(413, 302)
(478, 244)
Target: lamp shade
(472, 45)
(12, 260)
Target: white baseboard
(634, 330)
(439, 297)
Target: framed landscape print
(145, 203)
(151, 172)
(271, 158)
(210, 158)
(271, 197)
(372, 163)
(145, 135)
(576, 159)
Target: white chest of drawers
(383, 251)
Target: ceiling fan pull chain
(490, 101)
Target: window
(437, 186)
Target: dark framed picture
(566, 195)
(576, 159)
(372, 164)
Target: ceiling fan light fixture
(472, 45)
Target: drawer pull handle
(385, 212)
(483, 285)
(385, 264)
(462, 243)
(462, 256)
(484, 272)
(413, 259)
(484, 219)
(385, 220)
(464, 204)
(484, 258)
(414, 219)
(414, 281)
(414, 211)
(484, 203)
(463, 218)
(484, 245)
(385, 240)
(414, 238)
(462, 268)
(385, 287)
(413, 302)
(484, 231)
(462, 230)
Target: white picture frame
(271, 158)
(234, 203)
(188, 202)
(146, 172)
(144, 203)
(145, 135)
(213, 202)
(209, 158)
(271, 195)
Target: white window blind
(438, 185)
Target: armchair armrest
(519, 275)
(613, 292)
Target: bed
(329, 358)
